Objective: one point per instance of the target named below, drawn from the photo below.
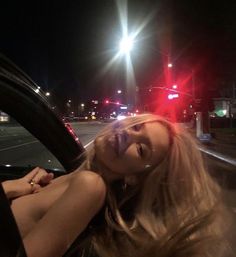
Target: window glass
(19, 148)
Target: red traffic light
(107, 101)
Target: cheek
(99, 148)
(103, 151)
(130, 162)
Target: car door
(20, 101)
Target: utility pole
(231, 102)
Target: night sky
(63, 45)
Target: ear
(131, 180)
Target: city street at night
(158, 78)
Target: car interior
(20, 100)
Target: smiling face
(132, 150)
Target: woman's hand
(28, 184)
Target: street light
(125, 48)
(126, 45)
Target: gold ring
(32, 182)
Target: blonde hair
(175, 209)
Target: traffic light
(107, 101)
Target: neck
(107, 174)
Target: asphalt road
(18, 147)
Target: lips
(119, 143)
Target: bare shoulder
(90, 183)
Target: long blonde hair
(175, 209)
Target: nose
(126, 137)
(129, 135)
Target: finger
(31, 174)
(46, 179)
(41, 173)
(36, 188)
(32, 186)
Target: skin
(19, 187)
(51, 218)
(139, 147)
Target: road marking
(6, 136)
(16, 146)
(88, 144)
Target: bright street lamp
(126, 45)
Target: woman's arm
(19, 187)
(67, 217)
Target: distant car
(69, 119)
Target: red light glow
(172, 96)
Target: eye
(140, 150)
(137, 127)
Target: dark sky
(63, 45)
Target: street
(19, 148)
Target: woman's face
(132, 150)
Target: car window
(20, 148)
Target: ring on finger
(32, 182)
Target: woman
(150, 178)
